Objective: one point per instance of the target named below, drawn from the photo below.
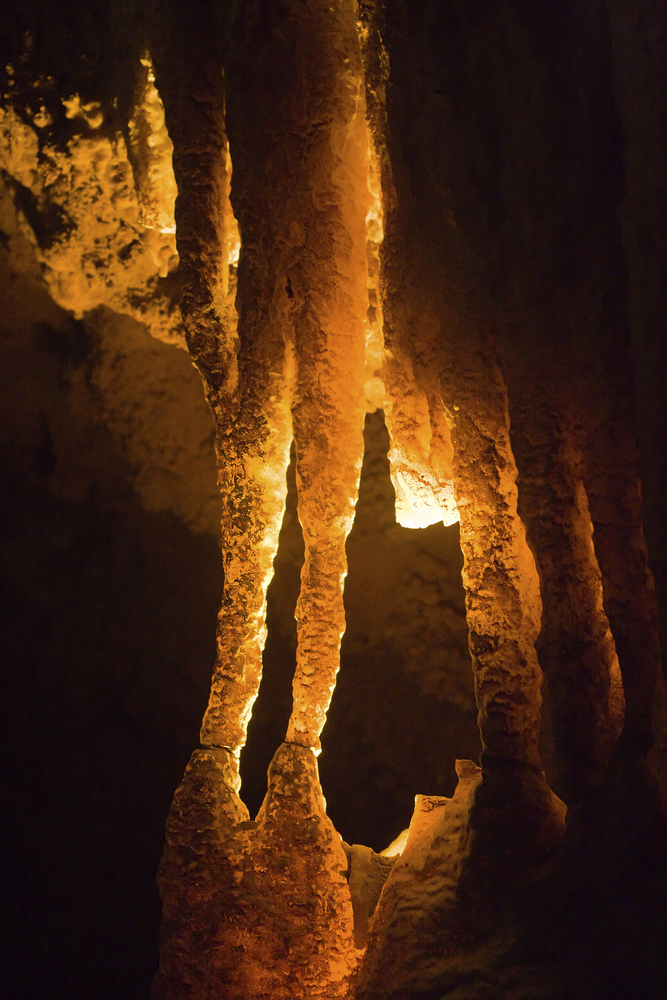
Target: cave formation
(419, 248)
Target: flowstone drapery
(261, 907)
(452, 212)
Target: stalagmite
(418, 906)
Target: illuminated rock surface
(270, 895)
(513, 168)
(82, 207)
(302, 301)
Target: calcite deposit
(438, 211)
(82, 211)
(269, 895)
(299, 374)
(420, 913)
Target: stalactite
(329, 286)
(503, 599)
(249, 394)
(152, 151)
(576, 648)
(420, 453)
(246, 372)
(464, 410)
(614, 495)
(375, 389)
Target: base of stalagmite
(259, 909)
(484, 902)
(253, 908)
(441, 900)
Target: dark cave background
(108, 608)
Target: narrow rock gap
(272, 708)
(403, 710)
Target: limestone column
(328, 282)
(261, 908)
(244, 367)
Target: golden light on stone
(313, 341)
(368, 252)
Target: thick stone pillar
(261, 908)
